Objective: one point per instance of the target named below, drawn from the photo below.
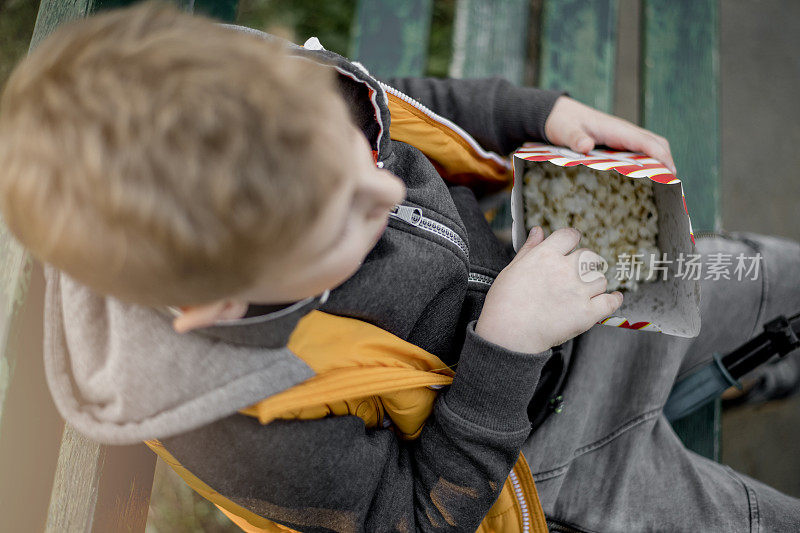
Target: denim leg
(610, 460)
(779, 378)
(645, 480)
(739, 309)
(771, 510)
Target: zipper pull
(412, 215)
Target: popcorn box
(671, 305)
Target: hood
(120, 374)
(377, 131)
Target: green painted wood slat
(224, 10)
(577, 53)
(680, 76)
(391, 38)
(681, 87)
(701, 430)
(578, 49)
(490, 39)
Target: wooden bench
(54, 479)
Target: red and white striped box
(670, 306)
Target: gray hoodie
(119, 373)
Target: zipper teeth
(440, 119)
(709, 234)
(444, 231)
(720, 234)
(372, 99)
(480, 278)
(556, 526)
(523, 505)
(430, 226)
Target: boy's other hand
(581, 127)
(540, 300)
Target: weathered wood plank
(74, 494)
(25, 504)
(55, 12)
(391, 38)
(577, 52)
(123, 495)
(490, 39)
(680, 101)
(700, 431)
(680, 77)
(100, 488)
(578, 49)
(15, 273)
(14, 263)
(31, 427)
(627, 72)
(102, 5)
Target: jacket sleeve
(498, 114)
(333, 474)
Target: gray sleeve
(333, 474)
(498, 114)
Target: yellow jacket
(365, 371)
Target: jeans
(610, 461)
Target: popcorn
(616, 215)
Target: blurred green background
(295, 20)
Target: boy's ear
(202, 316)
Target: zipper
(441, 120)
(554, 526)
(480, 278)
(711, 234)
(414, 217)
(523, 505)
(373, 98)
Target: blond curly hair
(162, 158)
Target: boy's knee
(780, 268)
(770, 244)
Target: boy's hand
(581, 127)
(539, 300)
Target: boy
(212, 171)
